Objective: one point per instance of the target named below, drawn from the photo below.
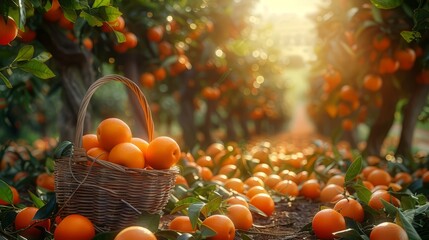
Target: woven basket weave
(110, 195)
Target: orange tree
(367, 63)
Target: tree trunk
(75, 72)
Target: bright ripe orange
(135, 232)
(140, 143)
(111, 132)
(87, 43)
(388, 230)
(205, 161)
(162, 153)
(379, 177)
(89, 141)
(24, 219)
(205, 173)
(147, 80)
(310, 189)
(253, 181)
(65, 23)
(425, 177)
(120, 47)
(159, 73)
(46, 181)
(287, 187)
(230, 170)
(336, 179)
(403, 178)
(54, 13)
(240, 216)
(332, 78)
(98, 153)
(165, 48)
(222, 225)
(237, 200)
(27, 36)
(381, 43)
(181, 224)
(347, 124)
(155, 34)
(367, 170)
(234, 184)
(220, 178)
(131, 40)
(406, 58)
(272, 180)
(221, 159)
(263, 202)
(128, 155)
(263, 167)
(15, 197)
(388, 65)
(368, 185)
(329, 192)
(117, 25)
(326, 222)
(214, 148)
(372, 82)
(255, 190)
(181, 180)
(351, 208)
(260, 175)
(8, 31)
(375, 200)
(75, 226)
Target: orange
(165, 49)
(15, 197)
(214, 148)
(403, 178)
(128, 155)
(263, 202)
(222, 160)
(375, 200)
(222, 225)
(272, 180)
(147, 80)
(348, 93)
(379, 177)
(425, 177)
(87, 43)
(310, 189)
(230, 170)
(131, 40)
(255, 190)
(287, 187)
(120, 47)
(388, 65)
(326, 222)
(234, 184)
(27, 36)
(90, 141)
(372, 82)
(329, 192)
(205, 161)
(337, 180)
(368, 185)
(381, 43)
(8, 30)
(162, 153)
(260, 175)
(388, 230)
(135, 232)
(263, 167)
(219, 178)
(65, 23)
(347, 124)
(367, 170)
(111, 132)
(159, 73)
(24, 219)
(117, 25)
(302, 177)
(74, 226)
(46, 181)
(98, 153)
(140, 143)
(289, 175)
(181, 180)
(181, 224)
(205, 173)
(351, 208)
(240, 216)
(253, 181)
(237, 200)
(406, 58)
(155, 33)
(54, 13)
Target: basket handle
(91, 90)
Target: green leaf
(6, 193)
(92, 20)
(184, 236)
(64, 149)
(350, 234)
(149, 221)
(194, 211)
(22, 13)
(73, 4)
(47, 210)
(402, 221)
(120, 37)
(5, 80)
(70, 14)
(212, 205)
(25, 53)
(363, 193)
(376, 13)
(110, 13)
(386, 4)
(389, 208)
(100, 3)
(38, 69)
(38, 203)
(354, 170)
(43, 57)
(408, 202)
(410, 36)
(207, 232)
(170, 234)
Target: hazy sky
(299, 7)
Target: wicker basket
(110, 195)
